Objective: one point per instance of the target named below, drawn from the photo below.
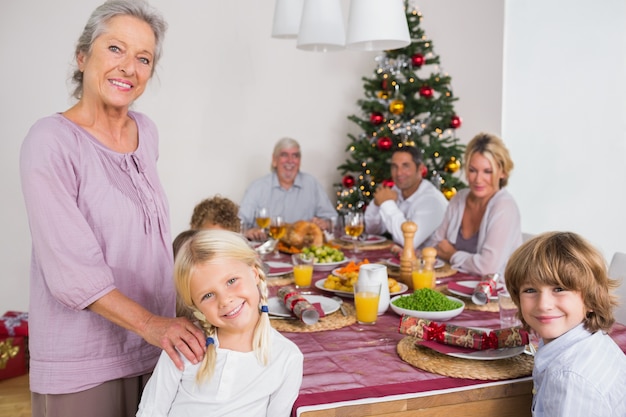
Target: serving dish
(428, 315)
(328, 266)
(320, 285)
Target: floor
(15, 397)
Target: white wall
(564, 116)
(225, 92)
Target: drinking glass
(277, 230)
(262, 218)
(353, 226)
(366, 298)
(508, 310)
(302, 269)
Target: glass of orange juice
(302, 269)
(366, 296)
(423, 276)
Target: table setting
(351, 362)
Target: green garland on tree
(408, 102)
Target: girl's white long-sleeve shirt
(240, 386)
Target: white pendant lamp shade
(287, 14)
(377, 25)
(321, 27)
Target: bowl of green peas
(429, 304)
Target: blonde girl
(249, 368)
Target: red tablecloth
(360, 361)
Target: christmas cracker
(463, 336)
(299, 305)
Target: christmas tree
(408, 102)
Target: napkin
(460, 288)
(280, 269)
(300, 306)
(464, 337)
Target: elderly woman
(481, 227)
(101, 294)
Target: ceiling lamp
(287, 15)
(321, 26)
(377, 25)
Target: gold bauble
(453, 165)
(382, 94)
(449, 192)
(396, 106)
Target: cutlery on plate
(341, 306)
(282, 318)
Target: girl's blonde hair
(565, 260)
(491, 147)
(204, 247)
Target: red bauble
(455, 123)
(384, 143)
(384, 84)
(417, 60)
(348, 181)
(424, 171)
(377, 118)
(387, 183)
(426, 91)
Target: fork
(341, 306)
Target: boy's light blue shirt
(580, 374)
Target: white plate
(489, 355)
(320, 285)
(428, 315)
(370, 240)
(469, 284)
(280, 265)
(396, 263)
(277, 308)
(328, 266)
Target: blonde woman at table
(560, 285)
(481, 226)
(249, 369)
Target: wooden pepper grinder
(407, 258)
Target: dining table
(353, 369)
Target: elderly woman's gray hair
(97, 25)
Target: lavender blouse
(99, 221)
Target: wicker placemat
(333, 321)
(280, 281)
(432, 361)
(491, 306)
(342, 244)
(444, 271)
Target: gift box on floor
(13, 344)
(13, 356)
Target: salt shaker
(485, 288)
